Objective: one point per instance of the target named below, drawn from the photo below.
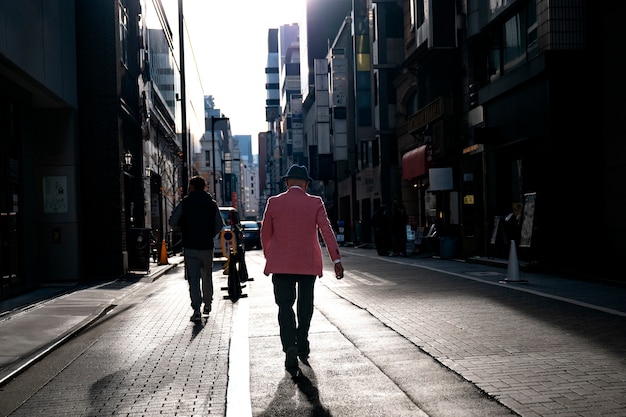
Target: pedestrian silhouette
(291, 225)
(380, 227)
(399, 219)
(199, 220)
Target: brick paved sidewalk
(153, 361)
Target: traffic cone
(163, 254)
(512, 270)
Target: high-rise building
(290, 95)
(269, 142)
(272, 79)
(249, 179)
(318, 28)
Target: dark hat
(298, 172)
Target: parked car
(231, 222)
(251, 234)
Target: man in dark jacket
(199, 220)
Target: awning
(415, 163)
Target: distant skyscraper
(290, 93)
(250, 191)
(287, 35)
(245, 145)
(272, 81)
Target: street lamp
(128, 163)
(128, 158)
(213, 120)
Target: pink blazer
(289, 234)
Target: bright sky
(229, 40)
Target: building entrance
(10, 200)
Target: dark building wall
(546, 115)
(550, 126)
(103, 126)
(38, 42)
(38, 143)
(610, 126)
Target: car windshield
(249, 225)
(229, 215)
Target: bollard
(234, 282)
(243, 268)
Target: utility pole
(183, 99)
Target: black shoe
(196, 316)
(291, 361)
(207, 310)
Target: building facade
(39, 143)
(91, 135)
(249, 199)
(463, 113)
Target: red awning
(415, 163)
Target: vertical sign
(527, 221)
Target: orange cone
(163, 254)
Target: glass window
(422, 10)
(363, 62)
(531, 25)
(365, 153)
(376, 86)
(161, 53)
(123, 17)
(374, 22)
(494, 55)
(514, 42)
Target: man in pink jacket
(289, 237)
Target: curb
(21, 364)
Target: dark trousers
(294, 334)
